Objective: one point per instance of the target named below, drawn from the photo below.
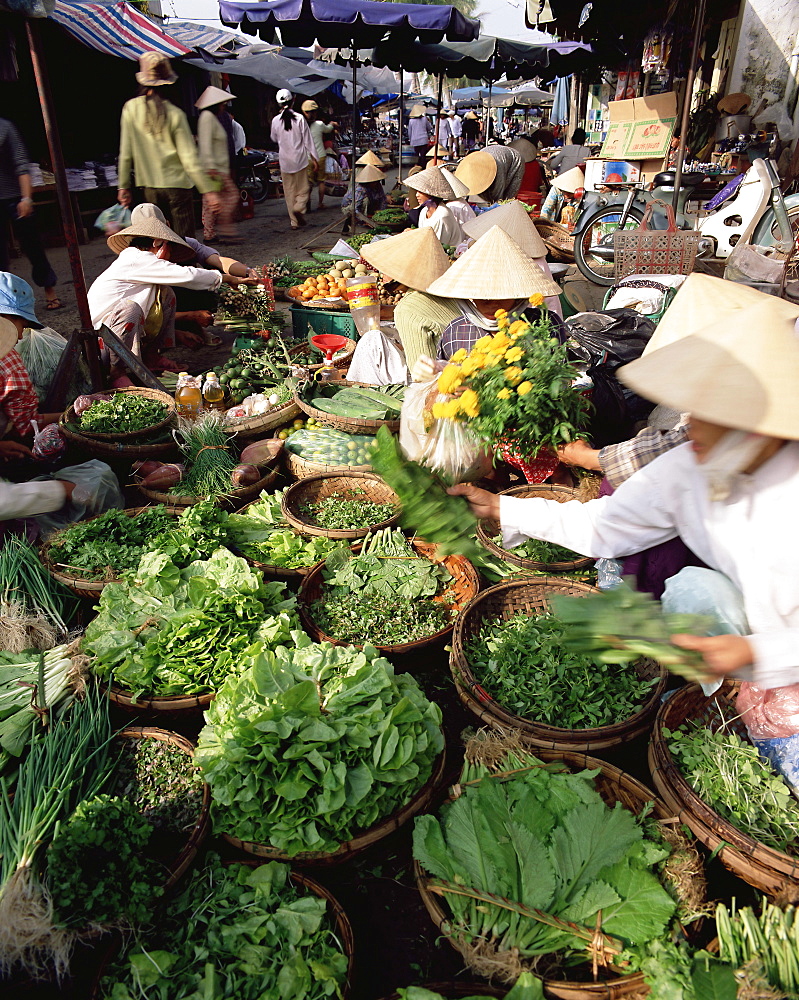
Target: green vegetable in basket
(208, 454)
(124, 413)
(526, 665)
(313, 745)
(763, 946)
(359, 402)
(542, 552)
(328, 446)
(527, 987)
(347, 510)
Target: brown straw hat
(9, 335)
(432, 183)
(414, 258)
(366, 175)
(570, 180)
(155, 70)
(458, 187)
(478, 171)
(525, 148)
(156, 230)
(734, 104)
(369, 159)
(211, 96)
(495, 267)
(513, 218)
(741, 371)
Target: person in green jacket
(157, 145)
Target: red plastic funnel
(329, 343)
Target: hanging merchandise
(657, 49)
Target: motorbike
(253, 173)
(750, 209)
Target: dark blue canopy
(344, 22)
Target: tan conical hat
(155, 229)
(417, 111)
(415, 258)
(513, 218)
(734, 104)
(478, 171)
(495, 267)
(431, 182)
(570, 181)
(458, 187)
(741, 371)
(525, 148)
(368, 174)
(701, 301)
(211, 96)
(9, 335)
(438, 151)
(369, 159)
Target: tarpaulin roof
(484, 59)
(268, 67)
(203, 36)
(116, 29)
(525, 96)
(339, 22)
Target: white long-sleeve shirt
(136, 274)
(295, 147)
(752, 538)
(444, 225)
(29, 499)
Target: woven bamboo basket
(117, 450)
(614, 786)
(764, 867)
(301, 468)
(316, 488)
(354, 425)
(463, 588)
(199, 831)
(529, 597)
(362, 841)
(191, 704)
(70, 418)
(246, 427)
(324, 305)
(232, 499)
(78, 584)
(559, 241)
(341, 359)
(486, 530)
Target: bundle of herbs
(313, 745)
(763, 947)
(526, 987)
(347, 510)
(208, 455)
(172, 631)
(526, 665)
(542, 552)
(124, 413)
(384, 595)
(35, 610)
(234, 931)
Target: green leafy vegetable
(527, 987)
(543, 552)
(765, 943)
(124, 413)
(348, 510)
(313, 745)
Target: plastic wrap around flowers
(514, 387)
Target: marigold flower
(499, 342)
(469, 403)
(504, 394)
(513, 374)
(524, 388)
(482, 345)
(514, 354)
(537, 299)
(459, 355)
(517, 326)
(500, 313)
(492, 359)
(448, 409)
(449, 379)
(473, 364)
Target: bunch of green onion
(35, 609)
(768, 942)
(209, 462)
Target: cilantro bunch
(124, 413)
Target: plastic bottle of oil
(188, 396)
(213, 393)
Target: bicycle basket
(654, 251)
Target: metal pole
(686, 105)
(401, 122)
(354, 130)
(438, 116)
(488, 112)
(90, 346)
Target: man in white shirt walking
(296, 150)
(456, 130)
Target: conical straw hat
(458, 187)
(156, 230)
(701, 301)
(478, 171)
(431, 182)
(514, 219)
(742, 371)
(369, 159)
(211, 96)
(415, 258)
(438, 151)
(570, 180)
(417, 111)
(368, 174)
(525, 148)
(495, 267)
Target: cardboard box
(640, 129)
(599, 172)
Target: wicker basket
(340, 361)
(246, 427)
(191, 704)
(614, 786)
(362, 841)
(301, 468)
(764, 867)
(78, 584)
(200, 829)
(232, 499)
(529, 597)
(353, 425)
(316, 488)
(110, 450)
(486, 530)
(558, 240)
(71, 419)
(464, 586)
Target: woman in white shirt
(432, 193)
(296, 150)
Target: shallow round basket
(132, 452)
(71, 419)
(199, 831)
(243, 494)
(530, 597)
(323, 304)
(463, 587)
(78, 584)
(246, 427)
(317, 488)
(559, 241)
(191, 704)
(486, 530)
(341, 359)
(614, 786)
(301, 468)
(362, 841)
(353, 425)
(763, 867)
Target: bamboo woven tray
(71, 419)
(244, 493)
(557, 238)
(614, 786)
(486, 530)
(301, 468)
(352, 848)
(252, 426)
(354, 425)
(316, 488)
(764, 867)
(529, 596)
(190, 704)
(464, 586)
(117, 450)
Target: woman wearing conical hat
(433, 191)
(217, 148)
(369, 194)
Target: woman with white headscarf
(296, 149)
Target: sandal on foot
(53, 304)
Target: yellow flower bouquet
(515, 387)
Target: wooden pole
(686, 104)
(354, 131)
(401, 122)
(438, 116)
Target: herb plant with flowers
(515, 387)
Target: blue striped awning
(116, 29)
